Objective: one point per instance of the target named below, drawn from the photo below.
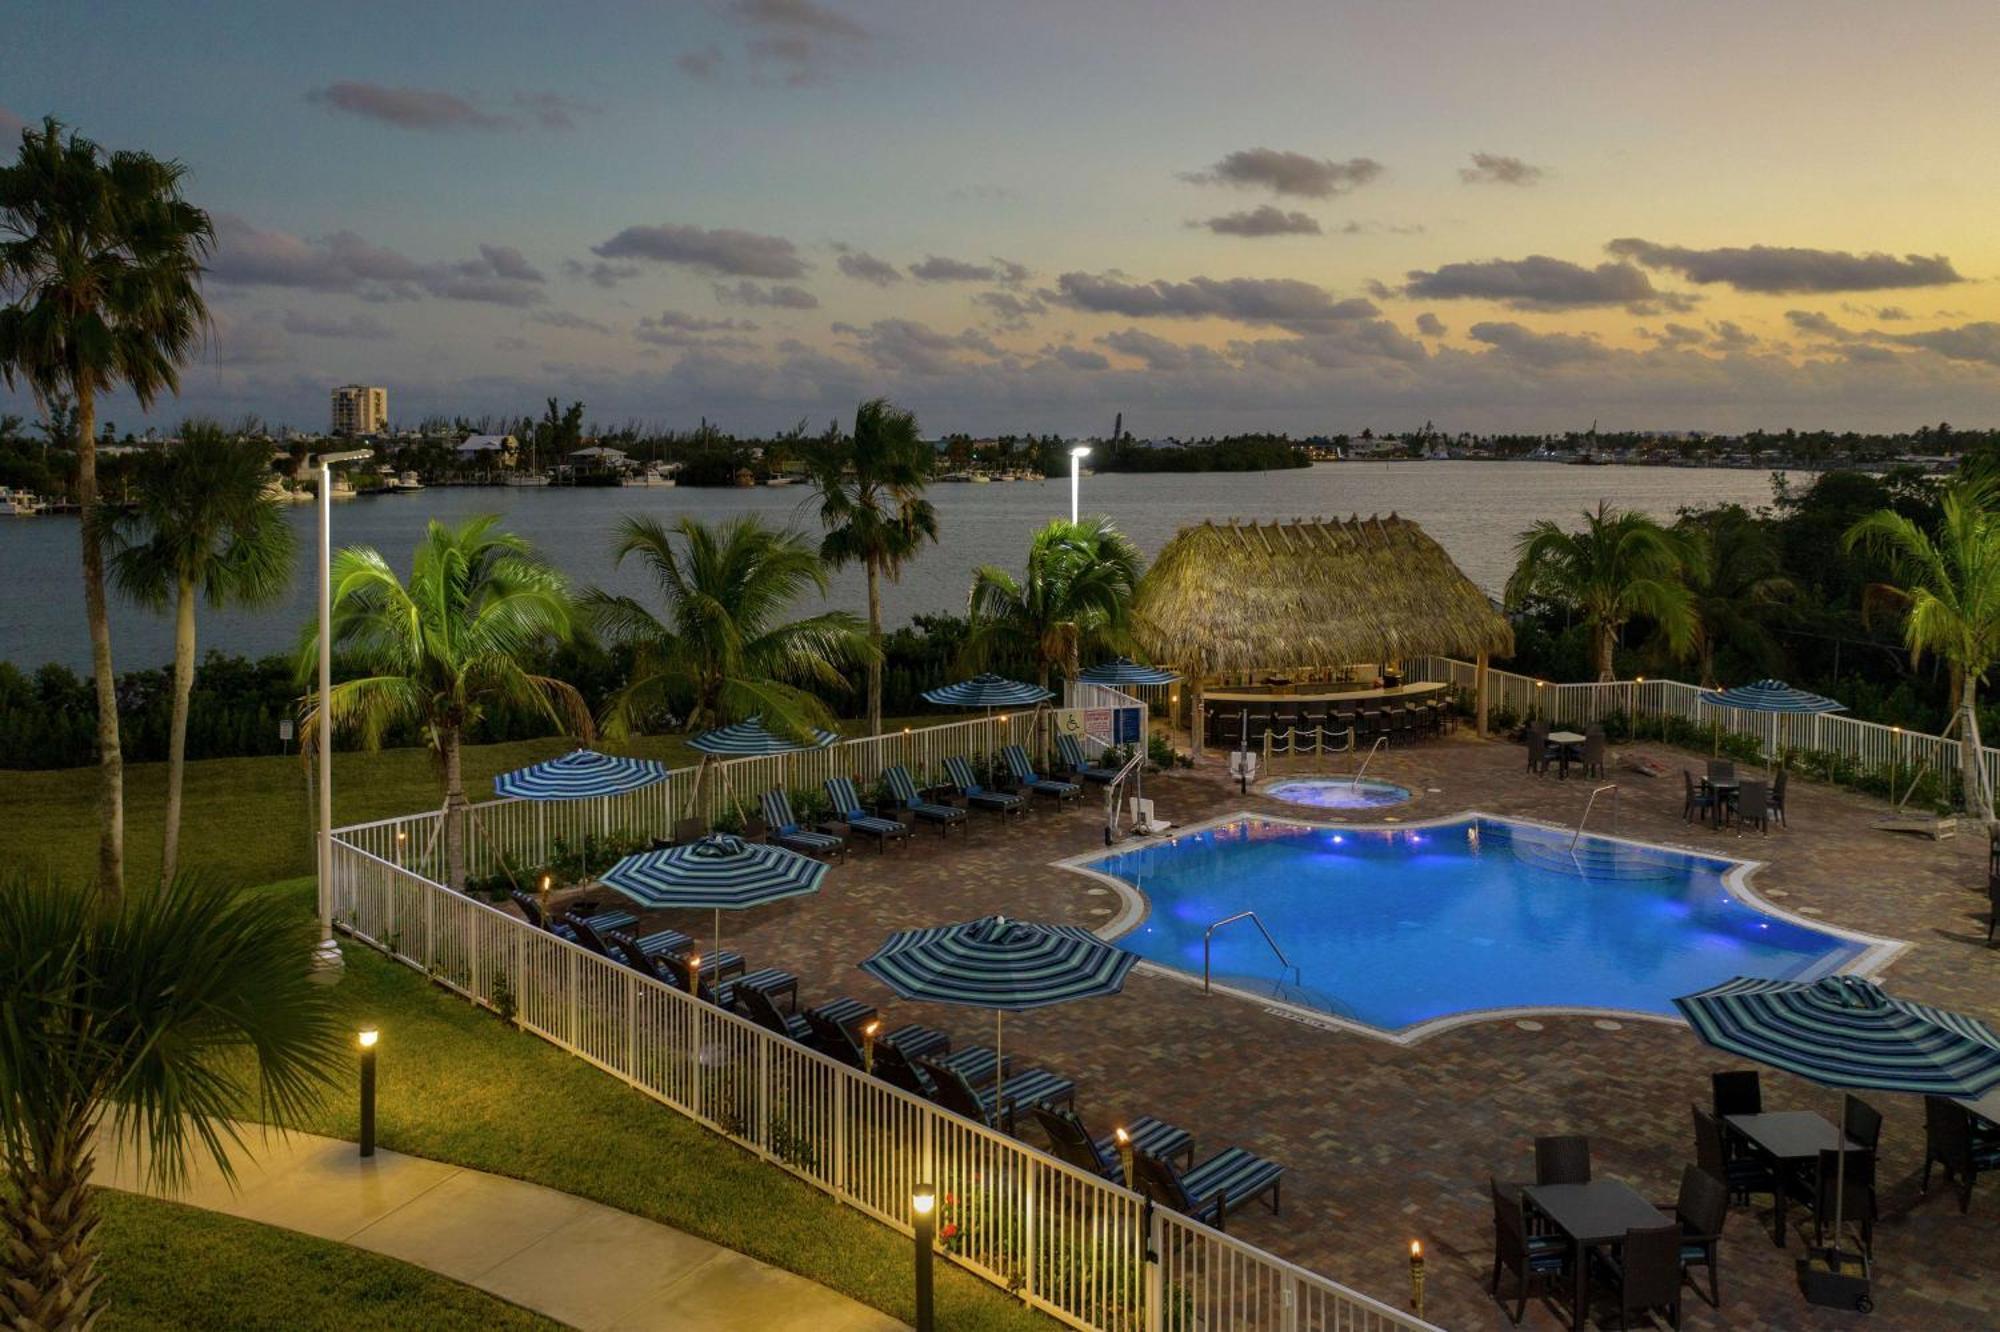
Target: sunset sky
(1312, 217)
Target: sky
(1309, 217)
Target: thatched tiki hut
(1231, 599)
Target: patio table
(1725, 796)
(1790, 1138)
(1567, 740)
(1592, 1215)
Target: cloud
(1888, 314)
(407, 108)
(1538, 282)
(1430, 325)
(1676, 335)
(1496, 169)
(865, 267)
(702, 64)
(777, 295)
(907, 345)
(1816, 325)
(1284, 301)
(799, 39)
(675, 329)
(565, 319)
(1011, 311)
(1731, 336)
(1542, 350)
(1789, 270)
(1080, 358)
(606, 275)
(1263, 220)
(1153, 351)
(1288, 173)
(249, 256)
(937, 269)
(553, 111)
(1968, 342)
(1354, 227)
(723, 250)
(360, 327)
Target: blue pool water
(1395, 927)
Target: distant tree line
(1234, 453)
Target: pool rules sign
(1109, 726)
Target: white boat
(956, 476)
(782, 481)
(20, 503)
(409, 481)
(981, 479)
(648, 477)
(528, 479)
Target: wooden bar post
(1479, 694)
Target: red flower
(951, 1200)
(950, 1229)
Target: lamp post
(1076, 456)
(327, 956)
(367, 1038)
(923, 1206)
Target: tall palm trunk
(48, 1236)
(454, 805)
(1607, 642)
(1971, 753)
(170, 844)
(875, 637)
(110, 757)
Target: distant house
(599, 455)
(489, 450)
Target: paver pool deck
(1385, 1143)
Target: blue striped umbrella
(1843, 1031)
(1001, 964)
(1771, 696)
(579, 775)
(988, 691)
(1125, 671)
(718, 871)
(752, 739)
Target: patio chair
(848, 809)
(786, 830)
(1700, 800)
(1075, 1144)
(1562, 1159)
(1778, 796)
(1856, 1201)
(1645, 1273)
(997, 1105)
(1702, 1209)
(905, 790)
(1025, 775)
(1536, 739)
(1528, 1256)
(1992, 905)
(1593, 754)
(1722, 770)
(836, 1040)
(1003, 803)
(1741, 1173)
(1070, 751)
(1952, 1139)
(1209, 1192)
(1736, 1091)
(1862, 1122)
(1753, 805)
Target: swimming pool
(1336, 792)
(1400, 930)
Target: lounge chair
(847, 808)
(980, 797)
(672, 967)
(995, 1106)
(760, 1009)
(894, 1066)
(1952, 1139)
(786, 830)
(913, 1040)
(767, 981)
(1025, 775)
(1071, 753)
(1212, 1190)
(531, 908)
(904, 788)
(657, 944)
(1075, 1144)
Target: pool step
(1595, 859)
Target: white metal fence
(1089, 1252)
(1868, 745)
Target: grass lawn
(247, 819)
(457, 1085)
(171, 1267)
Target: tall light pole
(327, 956)
(1076, 456)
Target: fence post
(1154, 1257)
(631, 1025)
(839, 1172)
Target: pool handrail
(1577, 836)
(1209, 933)
(1373, 749)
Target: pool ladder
(1251, 916)
(1355, 785)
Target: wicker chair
(1952, 1139)
(1529, 1257)
(1646, 1273)
(1563, 1159)
(1702, 1209)
(1737, 1091)
(1741, 1174)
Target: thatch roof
(1229, 597)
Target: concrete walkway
(581, 1263)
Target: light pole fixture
(366, 1038)
(1076, 457)
(923, 1209)
(327, 956)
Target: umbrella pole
(718, 943)
(1839, 1183)
(999, 1057)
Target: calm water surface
(1475, 509)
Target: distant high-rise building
(360, 410)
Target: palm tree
(447, 647)
(206, 529)
(723, 650)
(153, 1021)
(1950, 590)
(103, 259)
(1618, 565)
(1734, 579)
(1076, 592)
(871, 501)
